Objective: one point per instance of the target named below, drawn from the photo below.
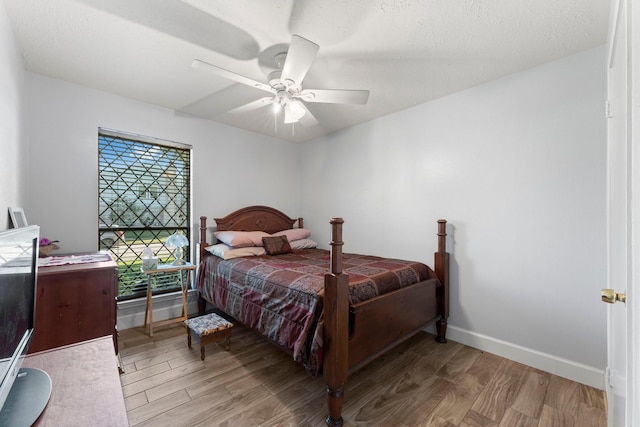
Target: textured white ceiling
(406, 52)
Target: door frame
(633, 300)
(632, 111)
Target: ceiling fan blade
(300, 56)
(334, 96)
(254, 105)
(230, 75)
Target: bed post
(202, 304)
(203, 235)
(336, 327)
(442, 271)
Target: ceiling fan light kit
(294, 111)
(285, 85)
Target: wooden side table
(184, 285)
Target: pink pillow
(294, 234)
(227, 252)
(241, 239)
(303, 244)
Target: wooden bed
(354, 334)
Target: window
(143, 198)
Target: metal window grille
(143, 198)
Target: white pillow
(227, 252)
(240, 239)
(303, 244)
(294, 234)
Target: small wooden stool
(208, 329)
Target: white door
(623, 219)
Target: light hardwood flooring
(420, 383)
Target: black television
(24, 392)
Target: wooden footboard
(383, 322)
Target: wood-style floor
(420, 383)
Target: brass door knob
(610, 296)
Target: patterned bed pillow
(276, 245)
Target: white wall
(517, 166)
(13, 161)
(231, 168)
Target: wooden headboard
(256, 218)
(251, 218)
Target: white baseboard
(545, 362)
(165, 306)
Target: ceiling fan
(285, 85)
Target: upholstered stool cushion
(208, 329)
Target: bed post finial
(336, 327)
(203, 229)
(442, 235)
(336, 245)
(203, 236)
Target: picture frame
(18, 218)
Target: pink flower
(46, 242)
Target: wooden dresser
(75, 302)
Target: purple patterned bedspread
(281, 296)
